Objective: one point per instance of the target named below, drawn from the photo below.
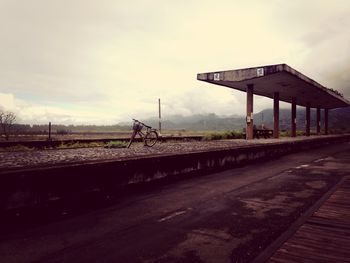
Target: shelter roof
(278, 78)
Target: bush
(72, 145)
(116, 144)
(16, 148)
(224, 135)
(284, 133)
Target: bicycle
(149, 138)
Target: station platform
(22, 160)
(32, 178)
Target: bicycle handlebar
(142, 123)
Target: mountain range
(338, 119)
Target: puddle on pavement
(304, 194)
(302, 166)
(319, 160)
(336, 166)
(316, 184)
(319, 171)
(209, 245)
(329, 158)
(281, 204)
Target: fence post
(160, 117)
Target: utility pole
(160, 117)
(50, 131)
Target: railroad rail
(55, 143)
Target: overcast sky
(105, 61)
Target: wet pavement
(39, 158)
(324, 236)
(230, 216)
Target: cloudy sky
(105, 61)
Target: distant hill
(338, 119)
(198, 122)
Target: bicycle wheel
(151, 138)
(131, 139)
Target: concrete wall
(45, 186)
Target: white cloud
(106, 61)
(7, 102)
(34, 113)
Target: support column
(318, 121)
(276, 117)
(249, 120)
(294, 118)
(307, 120)
(326, 121)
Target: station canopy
(279, 78)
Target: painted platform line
(325, 236)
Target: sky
(107, 61)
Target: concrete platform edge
(38, 186)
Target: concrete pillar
(326, 121)
(249, 120)
(294, 118)
(276, 113)
(307, 120)
(318, 121)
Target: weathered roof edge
(245, 74)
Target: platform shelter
(281, 83)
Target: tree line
(7, 120)
(8, 127)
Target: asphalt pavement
(231, 216)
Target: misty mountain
(338, 119)
(200, 122)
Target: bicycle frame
(142, 135)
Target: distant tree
(63, 131)
(7, 119)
